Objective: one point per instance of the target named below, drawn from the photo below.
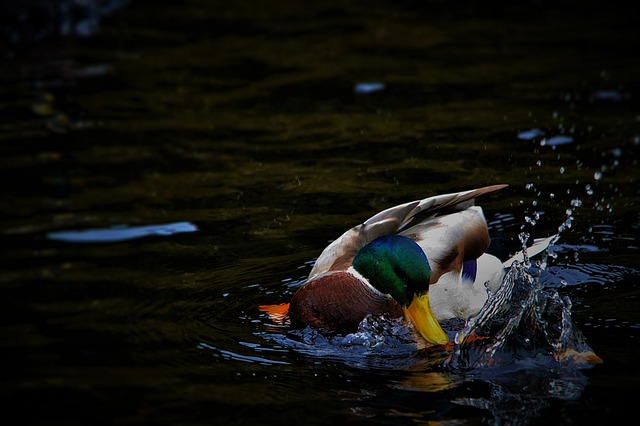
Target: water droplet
(588, 189)
(561, 170)
(597, 175)
(524, 236)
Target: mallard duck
(425, 260)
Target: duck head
(397, 266)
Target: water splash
(379, 342)
(523, 346)
(521, 320)
(524, 237)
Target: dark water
(169, 167)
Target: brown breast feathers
(337, 301)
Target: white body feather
(456, 297)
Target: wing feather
(403, 219)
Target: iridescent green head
(397, 266)
(394, 265)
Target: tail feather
(539, 245)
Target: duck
(425, 261)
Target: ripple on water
(583, 273)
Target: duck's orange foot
(277, 313)
(572, 355)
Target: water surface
(268, 130)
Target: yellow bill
(420, 314)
